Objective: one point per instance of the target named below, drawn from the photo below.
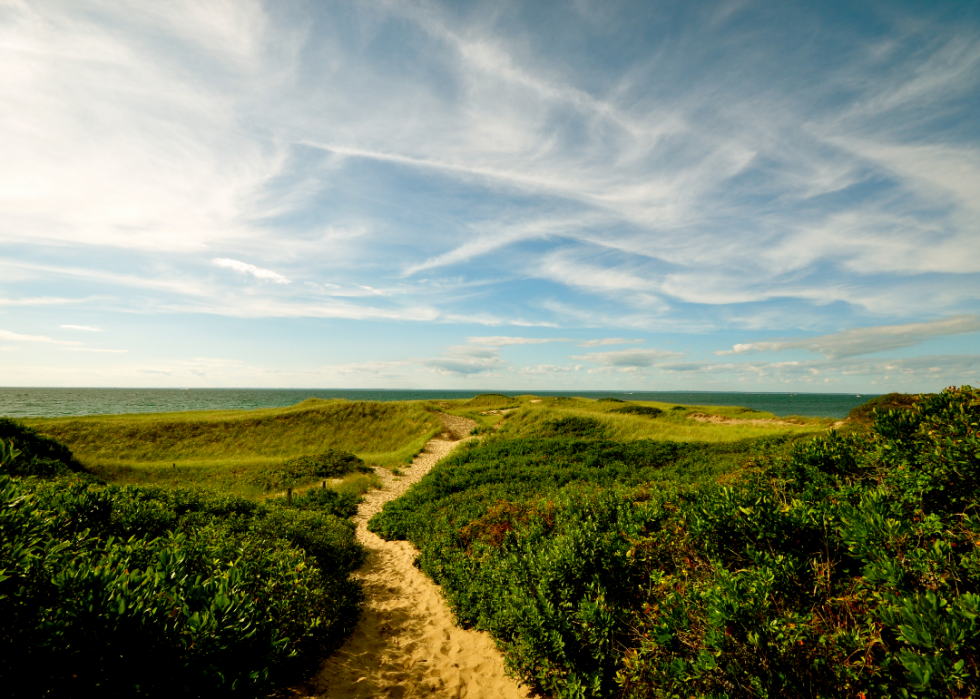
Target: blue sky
(584, 195)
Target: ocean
(59, 402)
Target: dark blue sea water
(55, 402)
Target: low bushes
(849, 568)
(332, 463)
(644, 410)
(840, 566)
(141, 591)
(38, 455)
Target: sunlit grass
(228, 450)
(222, 449)
(672, 424)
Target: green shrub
(865, 413)
(155, 592)
(644, 410)
(329, 464)
(38, 455)
(575, 427)
(326, 500)
(848, 565)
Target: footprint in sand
(406, 644)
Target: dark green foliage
(134, 591)
(644, 410)
(865, 412)
(610, 400)
(848, 565)
(325, 500)
(679, 407)
(39, 456)
(464, 485)
(850, 568)
(332, 463)
(574, 427)
(526, 547)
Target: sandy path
(406, 644)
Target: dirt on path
(406, 644)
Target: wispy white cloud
(372, 369)
(607, 341)
(246, 268)
(549, 369)
(79, 82)
(86, 328)
(464, 360)
(629, 357)
(914, 374)
(858, 341)
(41, 301)
(729, 179)
(504, 341)
(17, 337)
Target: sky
(719, 196)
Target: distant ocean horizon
(62, 402)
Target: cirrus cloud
(857, 341)
(635, 358)
(246, 268)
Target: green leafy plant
(643, 410)
(104, 585)
(845, 565)
(329, 464)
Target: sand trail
(406, 644)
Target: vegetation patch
(109, 585)
(844, 565)
(303, 469)
(606, 421)
(490, 401)
(37, 455)
(644, 410)
(240, 450)
(865, 413)
(148, 591)
(574, 426)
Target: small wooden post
(324, 485)
(289, 497)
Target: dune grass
(227, 449)
(231, 450)
(620, 420)
(614, 420)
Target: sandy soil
(406, 644)
(722, 420)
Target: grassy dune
(223, 448)
(534, 416)
(230, 450)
